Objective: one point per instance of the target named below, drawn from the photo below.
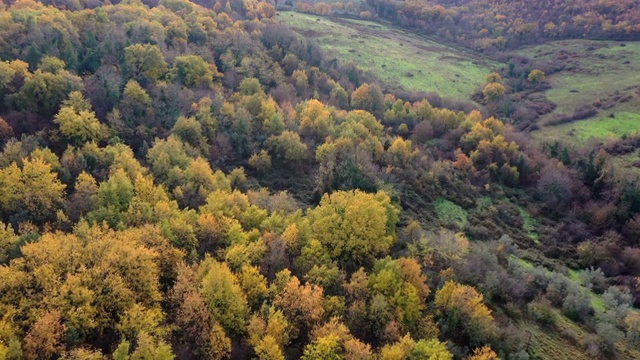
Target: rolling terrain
(400, 59)
(184, 180)
(600, 75)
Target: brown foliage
(301, 304)
(45, 338)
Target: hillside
(594, 74)
(400, 59)
(201, 181)
(483, 24)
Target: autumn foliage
(198, 182)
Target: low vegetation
(591, 77)
(599, 128)
(400, 59)
(450, 213)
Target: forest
(185, 180)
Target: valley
(397, 57)
(599, 75)
(379, 179)
(602, 76)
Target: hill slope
(400, 59)
(188, 182)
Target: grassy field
(604, 72)
(400, 59)
(600, 127)
(450, 213)
(628, 163)
(548, 344)
(529, 225)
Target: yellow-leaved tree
(464, 311)
(31, 191)
(77, 122)
(484, 353)
(355, 227)
(223, 295)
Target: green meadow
(600, 127)
(398, 58)
(603, 73)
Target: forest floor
(402, 60)
(603, 74)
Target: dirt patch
(428, 48)
(307, 32)
(580, 113)
(456, 58)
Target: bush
(542, 312)
(365, 15)
(577, 304)
(594, 279)
(609, 335)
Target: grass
(398, 58)
(593, 71)
(522, 262)
(627, 163)
(449, 212)
(529, 225)
(600, 128)
(483, 203)
(548, 344)
(596, 300)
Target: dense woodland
(194, 182)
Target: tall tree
(31, 191)
(354, 226)
(145, 59)
(368, 97)
(45, 338)
(78, 123)
(224, 297)
(464, 309)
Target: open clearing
(605, 74)
(398, 58)
(628, 163)
(599, 127)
